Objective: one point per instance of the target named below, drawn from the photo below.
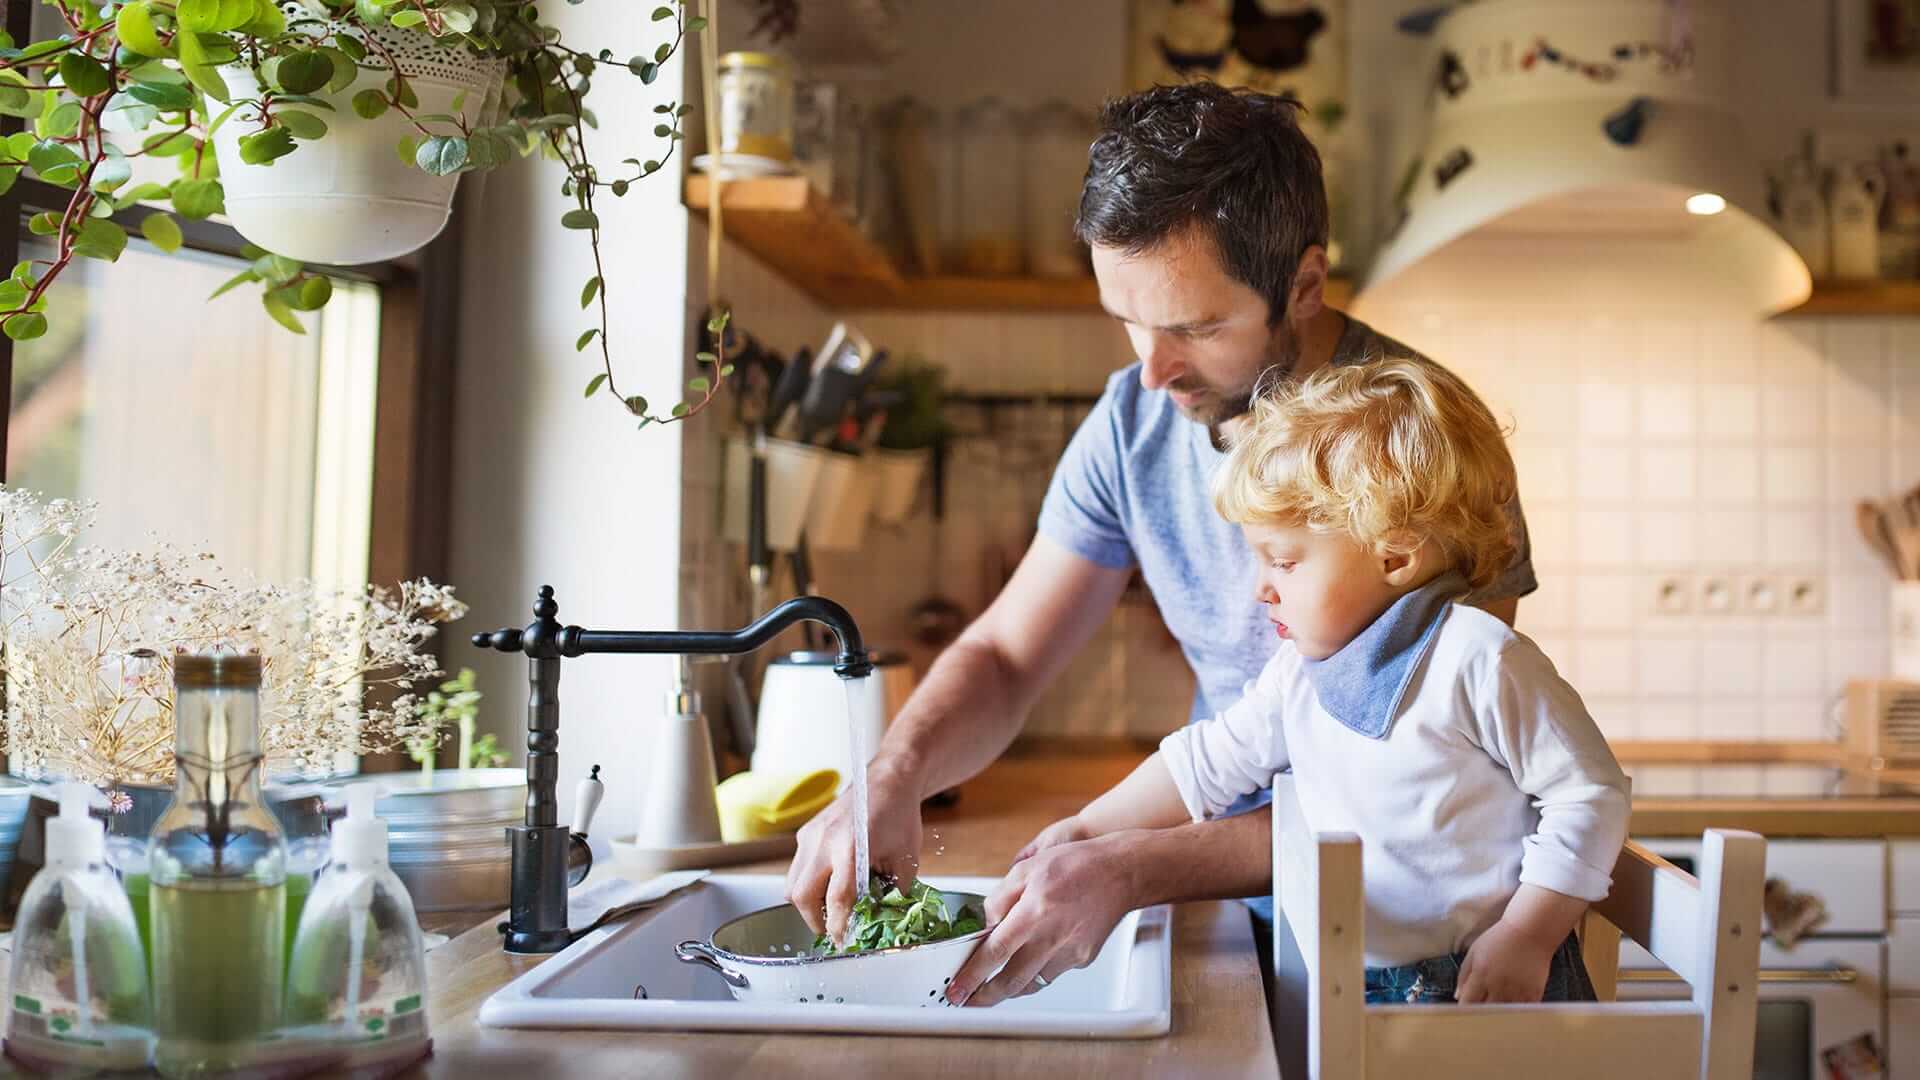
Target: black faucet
(537, 921)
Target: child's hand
(1065, 831)
(1505, 964)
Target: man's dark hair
(1231, 162)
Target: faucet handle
(586, 801)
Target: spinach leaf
(887, 918)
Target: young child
(1489, 807)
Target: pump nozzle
(74, 838)
(360, 837)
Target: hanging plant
(261, 82)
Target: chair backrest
(1707, 930)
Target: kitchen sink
(625, 976)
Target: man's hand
(1055, 909)
(1065, 831)
(1505, 964)
(820, 880)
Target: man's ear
(1309, 292)
(1401, 570)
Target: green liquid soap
(137, 888)
(218, 961)
(298, 887)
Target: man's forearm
(1223, 859)
(963, 715)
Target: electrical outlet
(1671, 594)
(1760, 595)
(1716, 596)
(1804, 594)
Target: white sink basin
(626, 976)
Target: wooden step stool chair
(1707, 930)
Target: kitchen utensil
(788, 387)
(837, 370)
(837, 517)
(768, 956)
(1871, 520)
(802, 709)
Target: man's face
(1200, 335)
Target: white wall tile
(1730, 411)
(1795, 667)
(1668, 410)
(1796, 720)
(1668, 721)
(1730, 667)
(1618, 718)
(1852, 657)
(1604, 474)
(1550, 532)
(1604, 667)
(1550, 607)
(1729, 474)
(1545, 472)
(1668, 537)
(1605, 410)
(1729, 353)
(1542, 408)
(1605, 601)
(1728, 723)
(1730, 538)
(1855, 473)
(1603, 538)
(1667, 473)
(1796, 536)
(1793, 475)
(1794, 413)
(1669, 667)
(1857, 602)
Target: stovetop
(1780, 780)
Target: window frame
(417, 359)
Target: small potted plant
(913, 428)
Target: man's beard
(1217, 408)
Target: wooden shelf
(1861, 298)
(798, 234)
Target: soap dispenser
(678, 806)
(79, 1000)
(359, 968)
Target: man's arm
(961, 717)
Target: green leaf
(696, 24)
(593, 385)
(305, 99)
(580, 219)
(134, 26)
(442, 155)
(19, 145)
(719, 321)
(371, 12)
(411, 17)
(266, 22)
(221, 119)
(369, 103)
(235, 282)
(60, 121)
(619, 188)
(26, 326)
(345, 70)
(198, 16)
(17, 102)
(304, 125)
(162, 96)
(351, 46)
(235, 14)
(459, 18)
(700, 384)
(459, 102)
(266, 147)
(315, 292)
(13, 294)
(8, 176)
(197, 200)
(168, 143)
(660, 54)
(100, 239)
(83, 75)
(281, 313)
(306, 71)
(401, 90)
(637, 405)
(660, 13)
(406, 147)
(54, 163)
(142, 193)
(198, 66)
(726, 370)
(162, 232)
(586, 339)
(680, 409)
(648, 72)
(706, 357)
(662, 130)
(44, 223)
(111, 171)
(587, 294)
(276, 270)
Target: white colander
(767, 957)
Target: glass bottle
(217, 868)
(990, 167)
(1058, 138)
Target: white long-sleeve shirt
(1491, 775)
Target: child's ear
(1402, 569)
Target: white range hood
(1567, 140)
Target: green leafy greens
(887, 918)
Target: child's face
(1320, 589)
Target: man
(1207, 218)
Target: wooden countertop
(1219, 1009)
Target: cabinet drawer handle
(1833, 974)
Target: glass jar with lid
(1058, 136)
(756, 106)
(990, 168)
(921, 149)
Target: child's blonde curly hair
(1394, 453)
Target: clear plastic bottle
(359, 967)
(79, 1001)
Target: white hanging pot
(348, 197)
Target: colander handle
(699, 952)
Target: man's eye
(1283, 565)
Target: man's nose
(1158, 363)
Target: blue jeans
(1431, 982)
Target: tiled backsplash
(1649, 450)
